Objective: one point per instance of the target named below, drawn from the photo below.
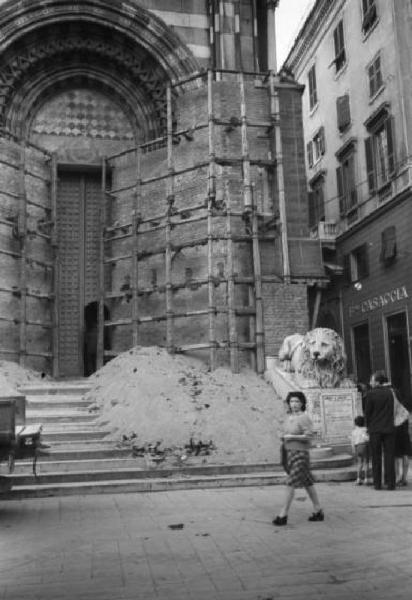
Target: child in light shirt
(360, 448)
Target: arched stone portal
(84, 80)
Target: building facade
(354, 58)
(152, 183)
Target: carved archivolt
(124, 47)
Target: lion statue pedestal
(315, 363)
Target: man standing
(379, 415)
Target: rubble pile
(160, 405)
(12, 375)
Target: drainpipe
(400, 80)
(271, 34)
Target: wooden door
(78, 237)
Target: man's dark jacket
(379, 410)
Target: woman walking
(297, 435)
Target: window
(343, 112)
(369, 15)
(379, 149)
(339, 42)
(346, 180)
(388, 245)
(356, 264)
(313, 95)
(361, 349)
(316, 202)
(315, 149)
(319, 144)
(375, 76)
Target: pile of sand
(146, 397)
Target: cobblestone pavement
(121, 547)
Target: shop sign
(380, 301)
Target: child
(360, 448)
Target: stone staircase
(81, 460)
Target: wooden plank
(55, 276)
(211, 198)
(233, 336)
(135, 242)
(168, 246)
(101, 283)
(22, 230)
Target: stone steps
(158, 484)
(56, 401)
(81, 461)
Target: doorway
(398, 355)
(79, 195)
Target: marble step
(157, 484)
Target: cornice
(310, 30)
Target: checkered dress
(299, 469)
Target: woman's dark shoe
(280, 520)
(317, 516)
(401, 483)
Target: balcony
(367, 203)
(325, 232)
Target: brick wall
(286, 312)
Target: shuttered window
(339, 43)
(380, 154)
(360, 262)
(313, 94)
(316, 202)
(346, 184)
(356, 264)
(319, 143)
(309, 153)
(343, 112)
(369, 15)
(375, 76)
(388, 245)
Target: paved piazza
(222, 546)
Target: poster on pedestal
(332, 412)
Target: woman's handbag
(399, 411)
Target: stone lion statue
(317, 359)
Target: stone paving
(223, 546)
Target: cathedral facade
(152, 184)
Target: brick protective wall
(286, 312)
(36, 182)
(285, 307)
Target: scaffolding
(216, 220)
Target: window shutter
(313, 96)
(347, 276)
(312, 210)
(363, 264)
(309, 151)
(370, 166)
(351, 182)
(388, 244)
(390, 140)
(341, 196)
(336, 42)
(343, 112)
(322, 147)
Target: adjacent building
(354, 58)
